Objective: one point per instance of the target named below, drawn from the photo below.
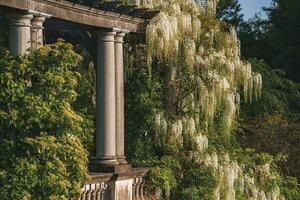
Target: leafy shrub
(43, 167)
(41, 154)
(198, 183)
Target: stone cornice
(77, 13)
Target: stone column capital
(106, 36)
(37, 22)
(119, 37)
(19, 19)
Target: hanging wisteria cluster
(176, 36)
(204, 78)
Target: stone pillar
(19, 33)
(106, 98)
(37, 38)
(120, 97)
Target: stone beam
(65, 10)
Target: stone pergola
(110, 24)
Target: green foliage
(41, 154)
(279, 94)
(277, 36)
(198, 183)
(38, 90)
(291, 188)
(143, 97)
(230, 12)
(85, 103)
(270, 124)
(42, 167)
(284, 29)
(151, 93)
(164, 174)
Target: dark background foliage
(272, 124)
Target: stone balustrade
(120, 186)
(94, 191)
(96, 188)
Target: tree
(276, 39)
(270, 124)
(283, 37)
(252, 34)
(229, 11)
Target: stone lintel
(80, 14)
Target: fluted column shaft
(106, 98)
(19, 33)
(120, 97)
(37, 38)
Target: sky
(250, 7)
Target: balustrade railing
(94, 191)
(102, 185)
(96, 188)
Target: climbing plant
(191, 82)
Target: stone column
(120, 97)
(37, 38)
(19, 33)
(106, 98)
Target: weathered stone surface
(121, 189)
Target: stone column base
(100, 165)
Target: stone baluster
(88, 195)
(134, 189)
(99, 192)
(139, 185)
(103, 190)
(93, 189)
(19, 33)
(142, 188)
(83, 195)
